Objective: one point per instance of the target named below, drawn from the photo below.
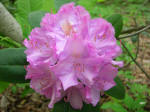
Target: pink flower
(72, 56)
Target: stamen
(120, 43)
(35, 44)
(67, 28)
(95, 38)
(104, 36)
(31, 44)
(46, 44)
(79, 67)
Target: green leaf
(27, 90)
(25, 7)
(12, 61)
(116, 107)
(13, 74)
(35, 18)
(59, 3)
(100, 1)
(3, 86)
(129, 102)
(13, 56)
(48, 5)
(14, 89)
(23, 21)
(117, 22)
(117, 91)
(66, 107)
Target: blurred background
(136, 16)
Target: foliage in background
(135, 99)
(24, 86)
(7, 42)
(138, 9)
(126, 58)
(25, 7)
(3, 86)
(136, 96)
(9, 4)
(130, 8)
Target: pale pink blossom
(72, 56)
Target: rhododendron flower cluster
(71, 57)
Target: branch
(146, 74)
(9, 26)
(132, 29)
(138, 41)
(133, 34)
(136, 55)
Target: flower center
(99, 37)
(78, 67)
(67, 28)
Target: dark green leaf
(117, 22)
(12, 61)
(59, 3)
(118, 91)
(66, 107)
(13, 74)
(3, 86)
(35, 18)
(13, 56)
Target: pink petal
(68, 80)
(75, 99)
(95, 96)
